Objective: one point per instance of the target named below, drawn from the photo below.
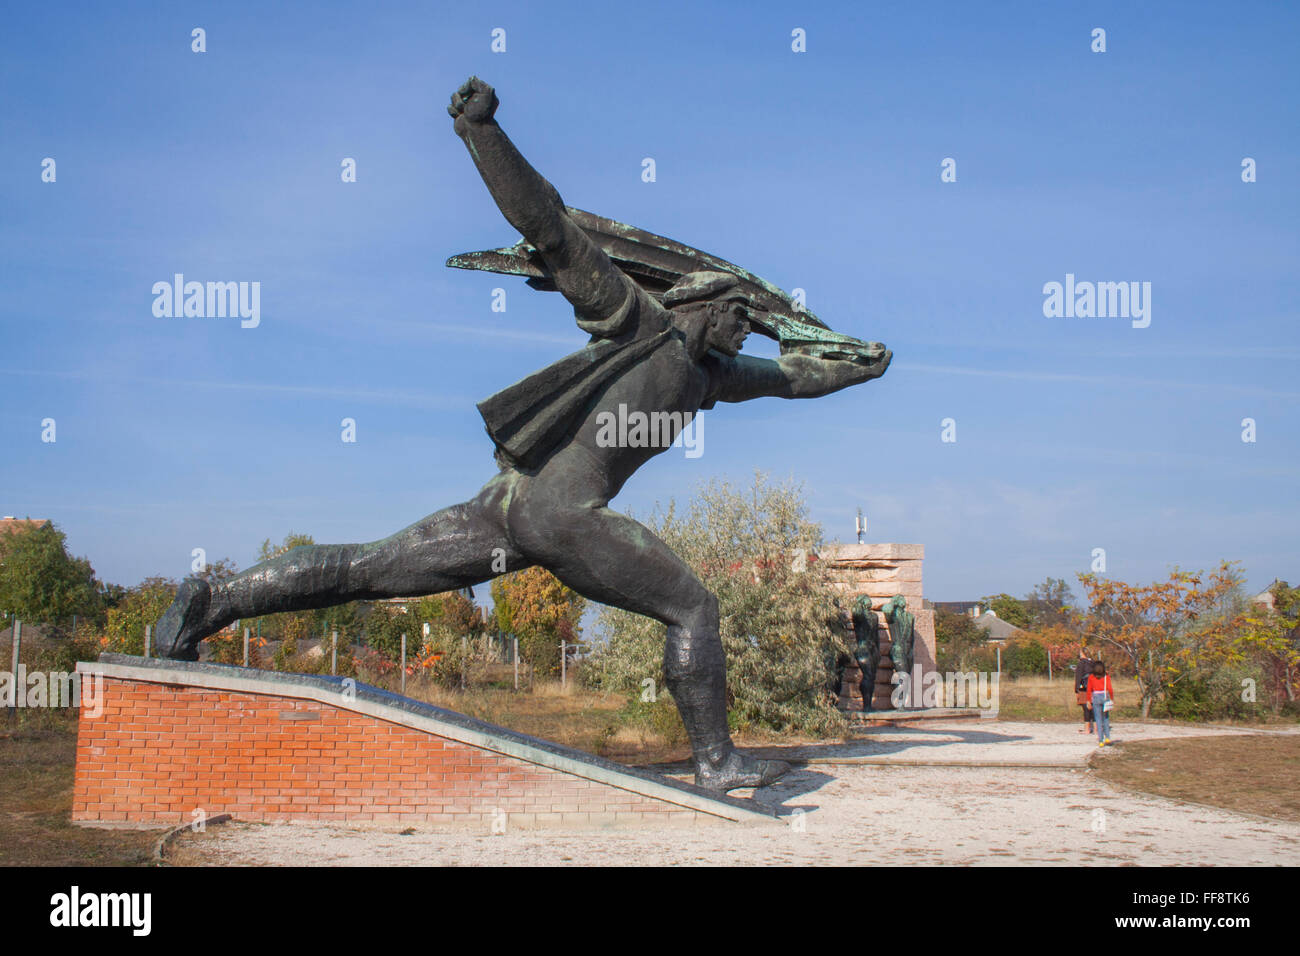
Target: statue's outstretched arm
(580, 269)
(793, 375)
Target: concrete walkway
(986, 743)
(965, 806)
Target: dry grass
(36, 767)
(1037, 698)
(573, 716)
(1253, 774)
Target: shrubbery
(779, 621)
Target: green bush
(1214, 696)
(659, 716)
(1021, 658)
(778, 616)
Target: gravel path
(851, 813)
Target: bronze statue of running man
(548, 504)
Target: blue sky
(818, 170)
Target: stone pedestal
(850, 691)
(880, 571)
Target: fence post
(563, 655)
(403, 662)
(17, 641)
(334, 655)
(148, 638)
(516, 640)
(245, 647)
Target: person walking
(1082, 671)
(1102, 693)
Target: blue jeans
(1099, 714)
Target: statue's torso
(634, 419)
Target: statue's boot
(695, 672)
(181, 628)
(733, 770)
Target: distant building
(10, 523)
(1265, 597)
(956, 607)
(998, 630)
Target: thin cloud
(379, 396)
(1017, 375)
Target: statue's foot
(179, 631)
(736, 771)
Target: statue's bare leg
(610, 558)
(459, 546)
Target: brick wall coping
(352, 695)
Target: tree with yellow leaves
(535, 607)
(1168, 630)
(1270, 636)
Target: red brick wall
(159, 751)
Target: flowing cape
(529, 419)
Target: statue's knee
(701, 615)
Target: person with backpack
(1082, 671)
(1102, 693)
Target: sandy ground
(851, 806)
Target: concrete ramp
(163, 742)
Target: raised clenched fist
(474, 102)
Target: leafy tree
(40, 581)
(293, 631)
(1167, 630)
(1272, 639)
(143, 604)
(1024, 656)
(111, 595)
(344, 618)
(218, 571)
(292, 540)
(1051, 604)
(754, 548)
(1061, 642)
(959, 641)
(450, 614)
(384, 627)
(540, 611)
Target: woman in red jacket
(1102, 693)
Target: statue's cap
(702, 286)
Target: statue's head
(893, 605)
(713, 306)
